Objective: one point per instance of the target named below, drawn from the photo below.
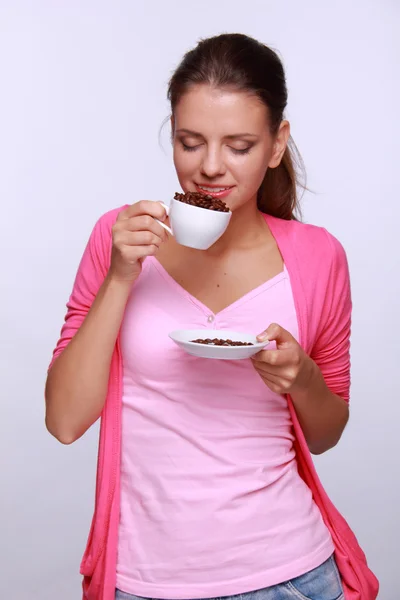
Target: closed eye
(241, 150)
(190, 148)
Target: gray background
(82, 100)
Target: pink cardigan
(318, 270)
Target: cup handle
(163, 224)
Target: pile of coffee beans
(219, 342)
(202, 201)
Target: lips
(215, 191)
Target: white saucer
(183, 338)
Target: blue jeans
(322, 583)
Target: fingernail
(263, 337)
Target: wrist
(118, 285)
(311, 380)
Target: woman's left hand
(288, 368)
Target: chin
(235, 206)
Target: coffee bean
(220, 342)
(202, 201)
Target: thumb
(165, 211)
(275, 333)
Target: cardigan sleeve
(91, 272)
(331, 351)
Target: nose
(212, 165)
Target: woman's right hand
(135, 235)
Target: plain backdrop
(82, 100)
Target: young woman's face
(223, 145)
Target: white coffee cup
(193, 226)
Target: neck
(246, 227)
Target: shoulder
(312, 242)
(321, 260)
(320, 240)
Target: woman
(205, 485)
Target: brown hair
(238, 61)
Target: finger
(132, 254)
(133, 224)
(137, 238)
(274, 382)
(142, 223)
(144, 251)
(144, 207)
(267, 370)
(275, 379)
(273, 358)
(265, 373)
(276, 333)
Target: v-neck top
(211, 500)
(319, 276)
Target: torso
(211, 500)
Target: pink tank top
(211, 500)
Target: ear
(172, 121)
(280, 144)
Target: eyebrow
(226, 137)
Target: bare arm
(77, 382)
(289, 370)
(322, 414)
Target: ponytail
(278, 194)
